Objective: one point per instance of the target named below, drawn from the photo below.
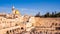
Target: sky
(30, 7)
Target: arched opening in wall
(13, 31)
(10, 31)
(22, 28)
(55, 24)
(27, 20)
(7, 32)
(52, 23)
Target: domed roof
(17, 12)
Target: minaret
(13, 10)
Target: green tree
(47, 14)
(52, 15)
(58, 14)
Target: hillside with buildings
(15, 23)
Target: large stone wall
(46, 21)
